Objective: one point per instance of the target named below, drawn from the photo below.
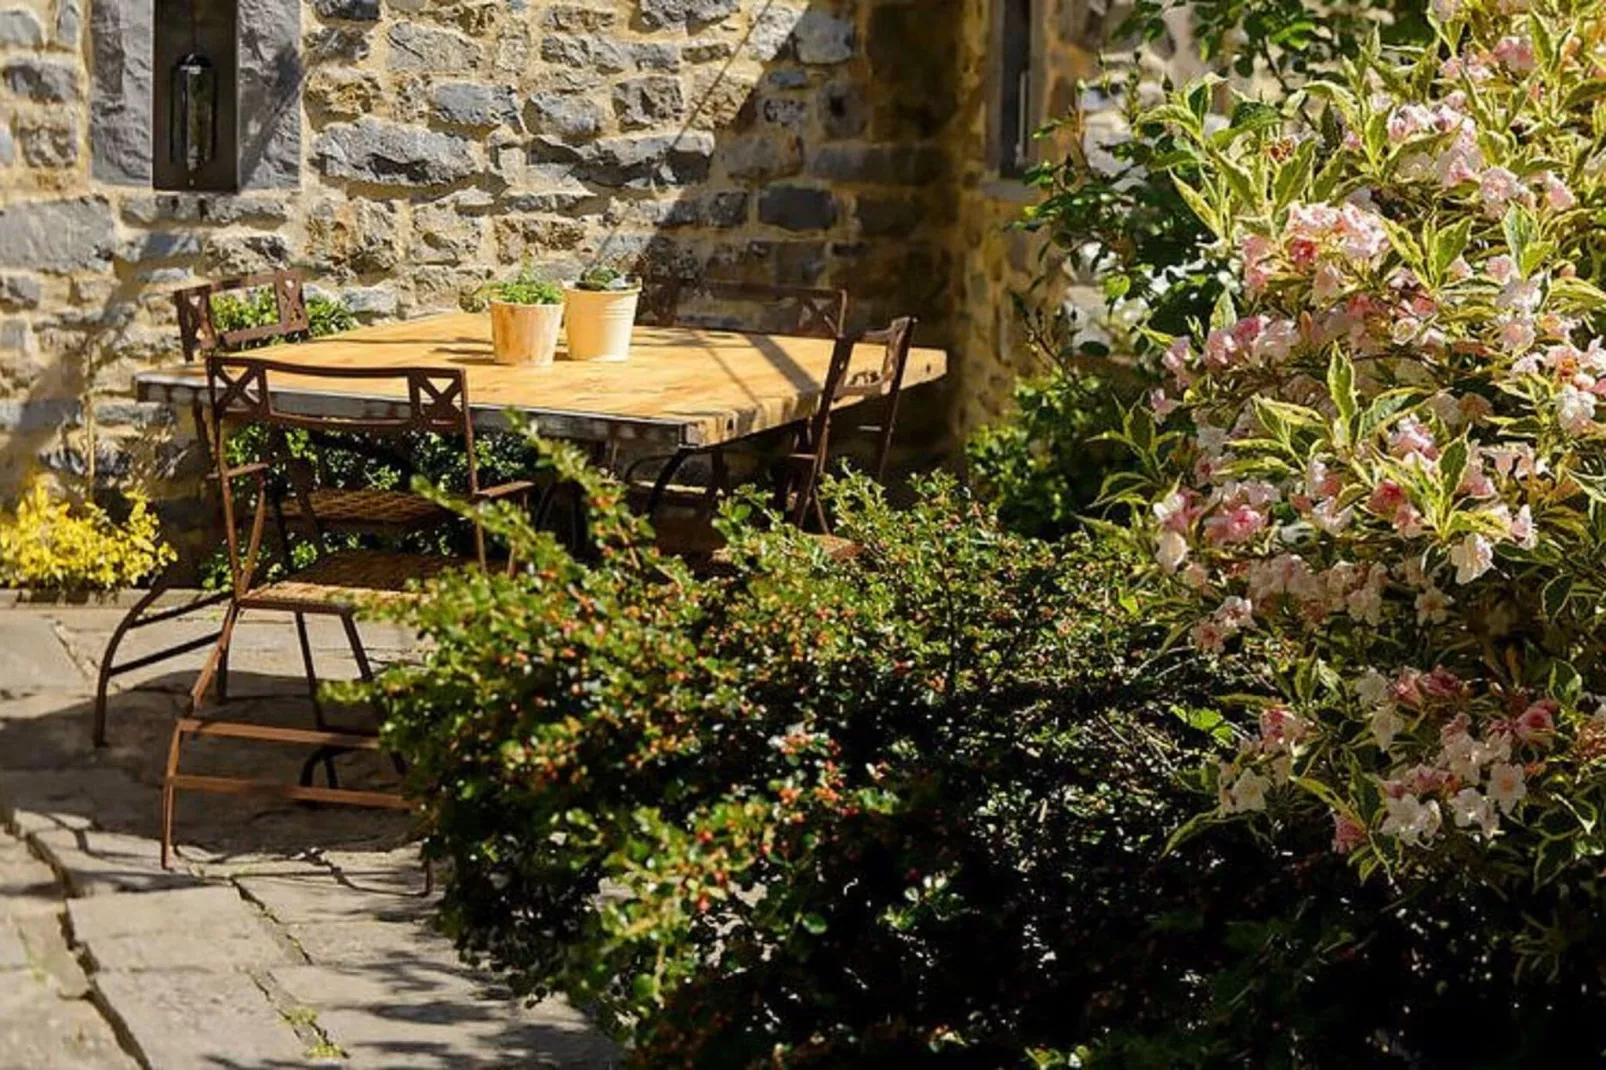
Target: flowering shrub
(1378, 467)
(49, 545)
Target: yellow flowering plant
(47, 544)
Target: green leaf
(1197, 203)
(814, 923)
(1341, 386)
(1452, 466)
(1450, 243)
(1293, 176)
(1520, 229)
(1553, 597)
(1224, 315)
(1565, 683)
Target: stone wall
(399, 150)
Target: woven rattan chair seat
(342, 507)
(349, 578)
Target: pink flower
(1498, 187)
(1523, 532)
(1516, 54)
(1575, 410)
(1501, 269)
(1208, 636)
(1220, 349)
(1410, 437)
(1162, 403)
(1507, 785)
(1280, 728)
(1557, 196)
(1517, 334)
(1171, 550)
(1328, 283)
(1537, 723)
(1459, 269)
(1387, 497)
(1472, 557)
(1177, 511)
(1236, 525)
(1362, 233)
(1348, 834)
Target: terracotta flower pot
(525, 334)
(600, 322)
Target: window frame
(997, 67)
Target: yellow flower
(49, 545)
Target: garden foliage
(1377, 466)
(50, 545)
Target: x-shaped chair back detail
(802, 311)
(198, 330)
(240, 390)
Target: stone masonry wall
(399, 150)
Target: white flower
(1523, 532)
(1472, 557)
(1386, 724)
(1330, 518)
(1372, 687)
(1472, 808)
(1411, 820)
(1172, 550)
(1432, 606)
(1507, 785)
(1248, 792)
(1575, 409)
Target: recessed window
(194, 118)
(1014, 120)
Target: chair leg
(310, 669)
(220, 653)
(169, 796)
(108, 659)
(358, 651)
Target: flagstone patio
(285, 936)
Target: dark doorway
(196, 96)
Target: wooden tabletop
(681, 386)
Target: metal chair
(317, 508)
(797, 485)
(671, 301)
(338, 584)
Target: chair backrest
(887, 382)
(669, 301)
(197, 324)
(241, 389)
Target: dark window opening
(194, 119)
(1013, 143)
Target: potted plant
(526, 316)
(602, 311)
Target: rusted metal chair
(338, 584)
(317, 508)
(797, 485)
(672, 301)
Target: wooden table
(682, 387)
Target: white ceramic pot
(525, 334)
(600, 322)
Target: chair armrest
(254, 468)
(506, 490)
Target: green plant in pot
(602, 311)
(526, 316)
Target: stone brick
(914, 50)
(337, 43)
(60, 236)
(897, 165)
(656, 56)
(537, 236)
(188, 928)
(760, 158)
(425, 48)
(567, 115)
(823, 38)
(473, 105)
(772, 31)
(662, 14)
(270, 78)
(374, 150)
(20, 291)
(651, 101)
(843, 110)
(122, 37)
(707, 51)
(43, 80)
(442, 235)
(637, 162)
(797, 208)
(882, 217)
(727, 208)
(163, 245)
(20, 28)
(587, 51)
(350, 10)
(47, 144)
(371, 300)
(69, 23)
(720, 99)
(569, 18)
(342, 92)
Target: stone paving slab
(201, 1020)
(32, 658)
(105, 863)
(41, 1031)
(191, 928)
(382, 1021)
(13, 953)
(299, 902)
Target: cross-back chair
(672, 301)
(339, 583)
(318, 509)
(797, 486)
